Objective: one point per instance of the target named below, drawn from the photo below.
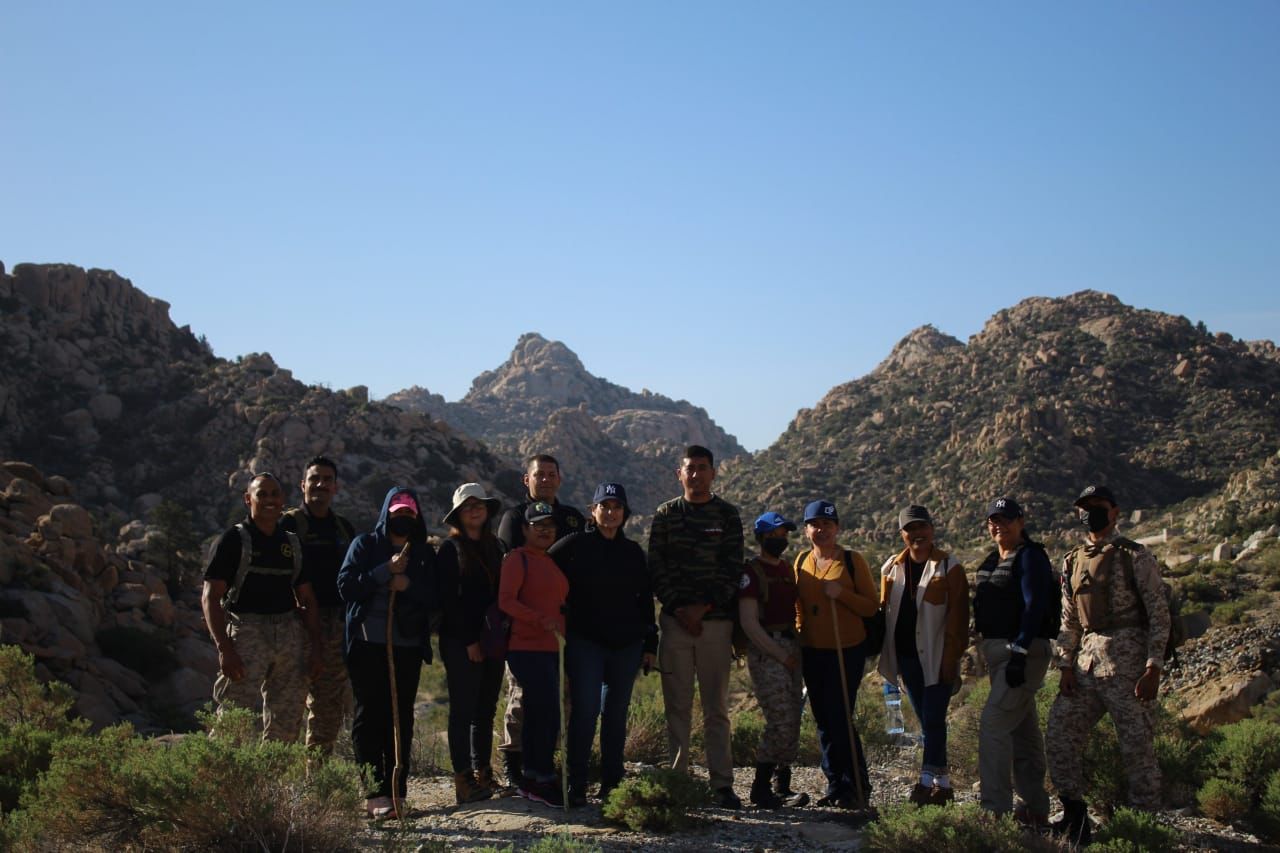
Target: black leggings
(473, 702)
(371, 732)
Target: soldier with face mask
(1115, 623)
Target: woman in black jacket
(610, 630)
(467, 566)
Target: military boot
(761, 795)
(1074, 825)
(782, 787)
(467, 790)
(513, 768)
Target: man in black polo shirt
(250, 605)
(325, 537)
(542, 483)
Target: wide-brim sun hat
(460, 496)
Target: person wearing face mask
(925, 595)
(394, 557)
(1115, 623)
(767, 613)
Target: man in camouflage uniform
(1115, 623)
(325, 537)
(251, 609)
(695, 560)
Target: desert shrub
(33, 718)
(905, 828)
(1181, 760)
(563, 843)
(748, 727)
(656, 800)
(143, 651)
(225, 791)
(1199, 589)
(429, 752)
(1268, 815)
(646, 724)
(1246, 753)
(1132, 830)
(1241, 610)
(1223, 800)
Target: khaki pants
(1010, 745)
(275, 674)
(329, 696)
(682, 657)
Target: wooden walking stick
(564, 735)
(848, 711)
(398, 771)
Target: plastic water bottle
(893, 709)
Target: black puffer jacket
(610, 594)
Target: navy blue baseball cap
(820, 509)
(770, 522)
(610, 492)
(1005, 508)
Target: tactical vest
(246, 568)
(764, 582)
(1091, 579)
(998, 603)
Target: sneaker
(921, 794)
(547, 793)
(377, 806)
(725, 798)
(941, 796)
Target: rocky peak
(919, 345)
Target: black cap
(912, 514)
(1005, 507)
(610, 492)
(537, 511)
(1097, 492)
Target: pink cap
(402, 501)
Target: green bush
(33, 718)
(145, 652)
(1181, 760)
(905, 828)
(1199, 589)
(748, 727)
(1246, 753)
(646, 724)
(1223, 800)
(225, 791)
(1241, 610)
(563, 843)
(1132, 830)
(656, 800)
(1269, 809)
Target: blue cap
(820, 509)
(1004, 507)
(610, 492)
(537, 511)
(770, 522)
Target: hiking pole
(848, 712)
(564, 735)
(398, 770)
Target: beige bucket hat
(470, 490)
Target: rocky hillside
(101, 387)
(542, 399)
(1050, 395)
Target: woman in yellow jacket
(926, 601)
(831, 575)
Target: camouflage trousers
(1072, 718)
(780, 692)
(274, 653)
(329, 696)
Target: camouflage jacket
(696, 555)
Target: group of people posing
(299, 607)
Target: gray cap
(912, 514)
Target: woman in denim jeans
(611, 632)
(926, 599)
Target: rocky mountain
(99, 386)
(1050, 395)
(542, 399)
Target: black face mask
(773, 547)
(1096, 519)
(400, 525)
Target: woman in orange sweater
(830, 573)
(532, 592)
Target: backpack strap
(298, 516)
(246, 557)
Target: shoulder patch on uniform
(745, 581)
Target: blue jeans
(599, 678)
(538, 674)
(831, 710)
(930, 704)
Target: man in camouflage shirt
(1115, 623)
(695, 560)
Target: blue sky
(740, 204)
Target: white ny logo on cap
(610, 489)
(1000, 503)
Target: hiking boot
(485, 779)
(513, 768)
(467, 789)
(921, 794)
(1074, 825)
(1029, 819)
(838, 800)
(761, 794)
(725, 798)
(941, 796)
(782, 787)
